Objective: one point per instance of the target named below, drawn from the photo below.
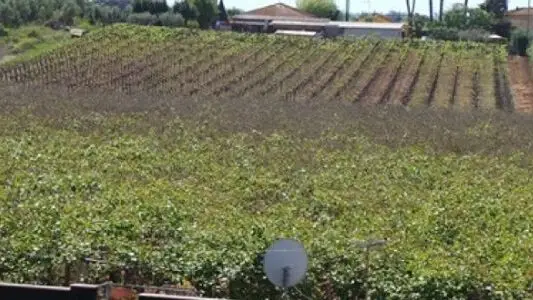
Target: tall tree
(431, 10)
(222, 14)
(466, 6)
(410, 10)
(441, 10)
(497, 7)
(187, 10)
(207, 12)
(234, 11)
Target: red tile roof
(275, 12)
(520, 11)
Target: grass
(28, 41)
(189, 188)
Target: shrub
(444, 33)
(520, 40)
(3, 31)
(474, 35)
(170, 19)
(144, 18)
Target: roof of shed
(296, 32)
(367, 25)
(278, 11)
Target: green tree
(475, 18)
(157, 7)
(187, 10)
(69, 11)
(497, 7)
(234, 11)
(140, 6)
(319, 8)
(171, 19)
(207, 12)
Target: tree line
(14, 13)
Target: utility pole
(347, 10)
(528, 17)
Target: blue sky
(364, 5)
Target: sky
(357, 6)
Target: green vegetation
(190, 63)
(29, 41)
(321, 8)
(194, 189)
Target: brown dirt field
(521, 81)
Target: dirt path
(521, 81)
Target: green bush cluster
(183, 202)
(520, 42)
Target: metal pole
(347, 10)
(528, 17)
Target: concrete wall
(383, 33)
(521, 21)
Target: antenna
(369, 5)
(285, 263)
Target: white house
(360, 29)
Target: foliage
(144, 18)
(106, 15)
(154, 7)
(234, 11)
(475, 35)
(475, 18)
(520, 41)
(171, 19)
(69, 11)
(122, 4)
(169, 200)
(502, 28)
(3, 31)
(186, 164)
(496, 7)
(207, 12)
(320, 8)
(444, 33)
(187, 9)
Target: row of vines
(188, 63)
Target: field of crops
(227, 65)
(181, 159)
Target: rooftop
(278, 11)
(365, 25)
(519, 11)
(296, 32)
(397, 26)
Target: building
(361, 29)
(287, 20)
(521, 17)
(259, 20)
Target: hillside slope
(181, 62)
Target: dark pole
(528, 17)
(347, 10)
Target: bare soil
(521, 81)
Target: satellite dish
(285, 263)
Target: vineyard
(152, 156)
(226, 65)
